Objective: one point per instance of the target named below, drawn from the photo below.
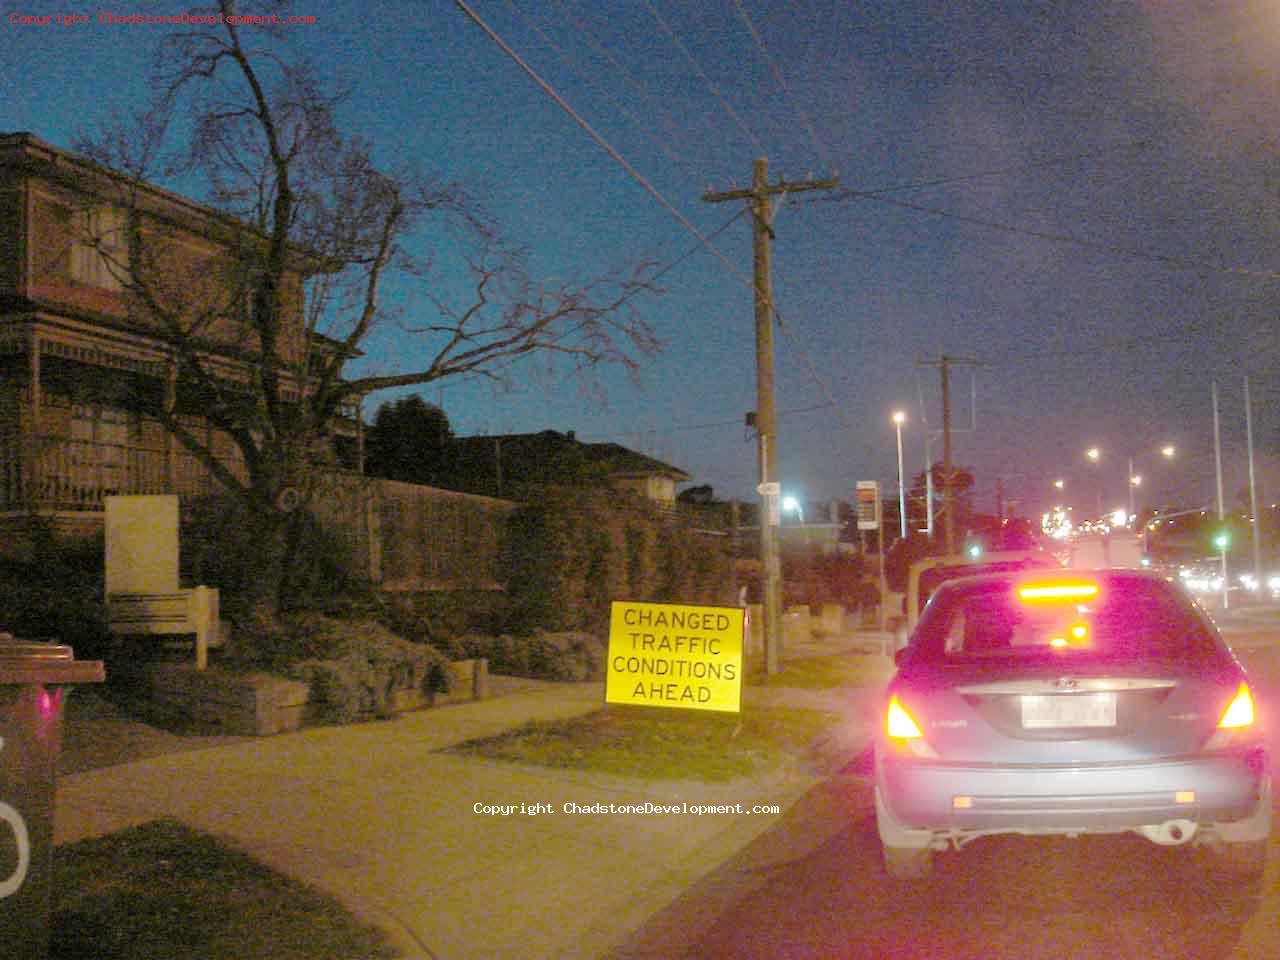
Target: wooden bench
(193, 611)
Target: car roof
(1109, 574)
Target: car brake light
(1239, 712)
(1057, 591)
(898, 722)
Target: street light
(1095, 455)
(1135, 481)
(792, 504)
(899, 418)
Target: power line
(679, 45)
(737, 423)
(661, 144)
(635, 174)
(1186, 263)
(601, 141)
(773, 65)
(685, 256)
(854, 194)
(697, 247)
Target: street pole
(1217, 456)
(928, 482)
(1253, 495)
(948, 504)
(944, 364)
(902, 487)
(884, 583)
(766, 417)
(1131, 491)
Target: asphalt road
(814, 887)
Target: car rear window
(1134, 618)
(934, 577)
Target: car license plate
(1069, 710)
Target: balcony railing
(78, 474)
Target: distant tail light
(1239, 712)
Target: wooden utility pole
(759, 196)
(944, 364)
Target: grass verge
(662, 744)
(162, 891)
(821, 673)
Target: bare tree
(314, 231)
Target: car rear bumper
(938, 796)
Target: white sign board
(868, 505)
(142, 544)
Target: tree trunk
(268, 566)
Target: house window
(100, 256)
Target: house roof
(545, 454)
(30, 155)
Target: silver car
(1069, 702)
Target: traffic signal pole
(759, 197)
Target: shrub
(439, 618)
(568, 655)
(220, 547)
(568, 553)
(57, 596)
(354, 668)
(334, 694)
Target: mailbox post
(33, 686)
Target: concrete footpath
(437, 849)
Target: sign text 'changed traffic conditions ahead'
(669, 655)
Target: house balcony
(62, 475)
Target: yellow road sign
(675, 655)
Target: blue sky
(1084, 196)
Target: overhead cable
(782, 83)
(620, 105)
(603, 143)
(679, 45)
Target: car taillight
(899, 724)
(1239, 712)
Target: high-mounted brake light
(898, 723)
(1057, 591)
(1239, 712)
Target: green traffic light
(1222, 540)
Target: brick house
(84, 372)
